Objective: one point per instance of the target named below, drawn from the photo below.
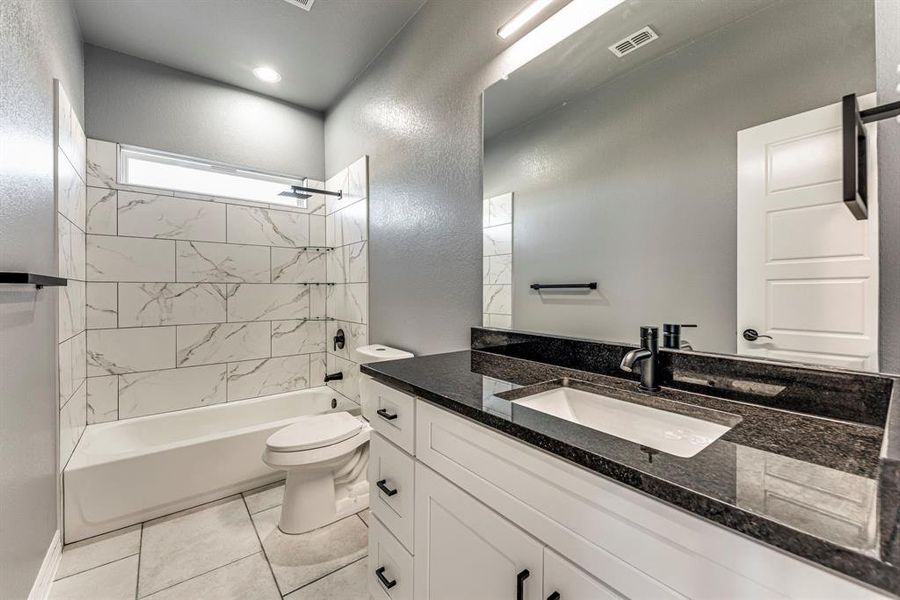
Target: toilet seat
(318, 431)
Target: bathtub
(126, 472)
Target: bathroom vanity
(482, 493)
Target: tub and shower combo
(127, 472)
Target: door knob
(751, 335)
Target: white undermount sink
(669, 432)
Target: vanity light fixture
(267, 74)
(525, 15)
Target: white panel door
(466, 550)
(807, 269)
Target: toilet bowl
(326, 458)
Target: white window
(164, 170)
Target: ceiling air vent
(304, 4)
(639, 38)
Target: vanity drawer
(390, 569)
(392, 491)
(392, 414)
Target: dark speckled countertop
(807, 484)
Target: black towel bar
(561, 286)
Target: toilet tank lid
(379, 352)
(315, 431)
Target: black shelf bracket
(856, 193)
(564, 286)
(38, 281)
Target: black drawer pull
(382, 485)
(553, 596)
(520, 583)
(379, 572)
(384, 414)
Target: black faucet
(646, 359)
(334, 376)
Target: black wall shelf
(38, 281)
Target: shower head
(295, 192)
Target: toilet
(325, 457)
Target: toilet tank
(369, 354)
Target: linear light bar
(525, 15)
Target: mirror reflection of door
(807, 269)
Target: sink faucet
(645, 358)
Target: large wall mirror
(685, 157)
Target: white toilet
(326, 457)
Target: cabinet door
(466, 550)
(565, 581)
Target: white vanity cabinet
(487, 508)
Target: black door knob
(751, 335)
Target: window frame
(124, 151)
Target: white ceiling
(583, 62)
(318, 53)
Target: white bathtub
(126, 472)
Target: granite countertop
(804, 483)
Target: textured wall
(887, 20)
(417, 113)
(635, 184)
(39, 42)
(133, 101)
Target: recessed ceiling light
(267, 74)
(525, 15)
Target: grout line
(261, 545)
(100, 566)
(329, 573)
(137, 578)
(228, 564)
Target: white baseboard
(41, 588)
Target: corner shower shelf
(38, 281)
(316, 248)
(319, 319)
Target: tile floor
(230, 549)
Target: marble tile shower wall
(498, 261)
(70, 219)
(347, 230)
(194, 300)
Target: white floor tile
(364, 515)
(245, 579)
(300, 559)
(264, 498)
(113, 581)
(348, 583)
(193, 542)
(99, 550)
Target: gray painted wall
(40, 41)
(416, 112)
(635, 185)
(887, 13)
(134, 101)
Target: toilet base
(314, 498)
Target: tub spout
(334, 376)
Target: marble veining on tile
(256, 302)
(222, 263)
(222, 342)
(297, 336)
(144, 304)
(102, 399)
(117, 351)
(162, 216)
(172, 389)
(298, 266)
(247, 225)
(101, 215)
(251, 379)
(101, 163)
(102, 305)
(130, 259)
